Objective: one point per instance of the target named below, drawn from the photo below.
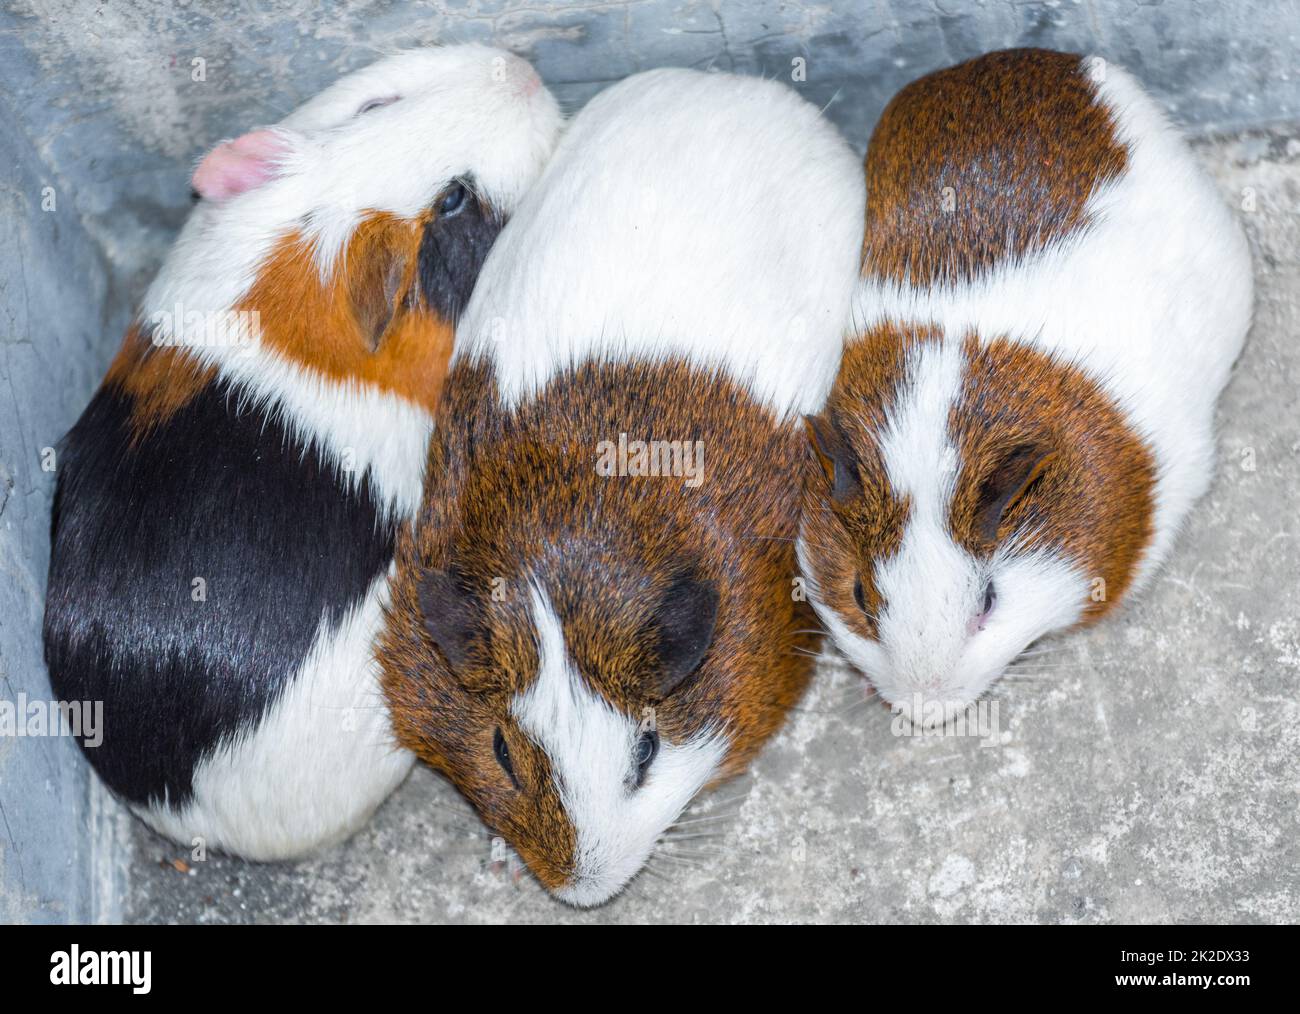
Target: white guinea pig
(596, 614)
(228, 503)
(1053, 295)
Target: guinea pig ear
(1014, 473)
(376, 288)
(448, 614)
(832, 450)
(684, 620)
(236, 167)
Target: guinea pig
(1053, 295)
(598, 612)
(227, 505)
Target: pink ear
(235, 167)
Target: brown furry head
(587, 627)
(964, 498)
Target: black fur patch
(452, 251)
(685, 621)
(217, 493)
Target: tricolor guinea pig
(598, 612)
(1053, 295)
(227, 505)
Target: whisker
(702, 856)
(730, 799)
(674, 836)
(711, 819)
(681, 861)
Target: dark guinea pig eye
(858, 596)
(647, 748)
(452, 200)
(502, 753)
(990, 597)
(376, 104)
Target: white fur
(591, 749)
(314, 769)
(707, 216)
(1153, 301)
(316, 766)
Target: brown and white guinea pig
(227, 505)
(596, 615)
(1053, 295)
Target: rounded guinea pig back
(711, 216)
(599, 612)
(1052, 297)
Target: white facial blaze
(932, 586)
(927, 588)
(591, 747)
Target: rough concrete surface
(52, 326)
(1148, 772)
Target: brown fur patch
(1021, 141)
(1093, 497)
(159, 379)
(514, 497)
(328, 329)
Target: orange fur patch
(324, 328)
(159, 379)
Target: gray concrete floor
(1150, 773)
